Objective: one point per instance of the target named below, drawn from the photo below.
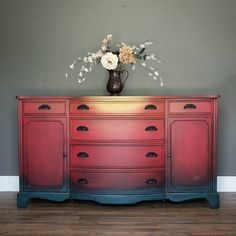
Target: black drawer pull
(83, 107)
(82, 128)
(151, 181)
(151, 128)
(44, 107)
(190, 106)
(82, 154)
(150, 107)
(65, 154)
(151, 154)
(82, 181)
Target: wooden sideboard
(117, 149)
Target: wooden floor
(89, 218)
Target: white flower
(153, 57)
(99, 53)
(148, 43)
(93, 55)
(143, 64)
(142, 45)
(72, 66)
(104, 48)
(96, 55)
(109, 61)
(90, 59)
(161, 82)
(109, 36)
(104, 41)
(107, 40)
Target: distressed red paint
(117, 149)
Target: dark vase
(115, 84)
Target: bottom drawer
(113, 181)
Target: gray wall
(40, 38)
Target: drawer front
(117, 181)
(44, 107)
(190, 106)
(117, 156)
(107, 129)
(87, 108)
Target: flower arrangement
(115, 59)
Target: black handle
(83, 107)
(190, 106)
(151, 154)
(151, 128)
(150, 107)
(169, 155)
(82, 128)
(44, 107)
(64, 154)
(82, 154)
(82, 181)
(151, 181)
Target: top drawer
(190, 106)
(44, 107)
(121, 108)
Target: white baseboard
(224, 183)
(9, 183)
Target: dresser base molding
(212, 198)
(23, 197)
(118, 198)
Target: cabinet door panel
(189, 154)
(44, 145)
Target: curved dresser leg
(213, 201)
(21, 201)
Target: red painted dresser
(117, 150)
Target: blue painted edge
(24, 197)
(118, 198)
(212, 197)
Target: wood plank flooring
(190, 218)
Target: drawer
(190, 106)
(103, 108)
(44, 107)
(116, 129)
(117, 180)
(117, 156)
